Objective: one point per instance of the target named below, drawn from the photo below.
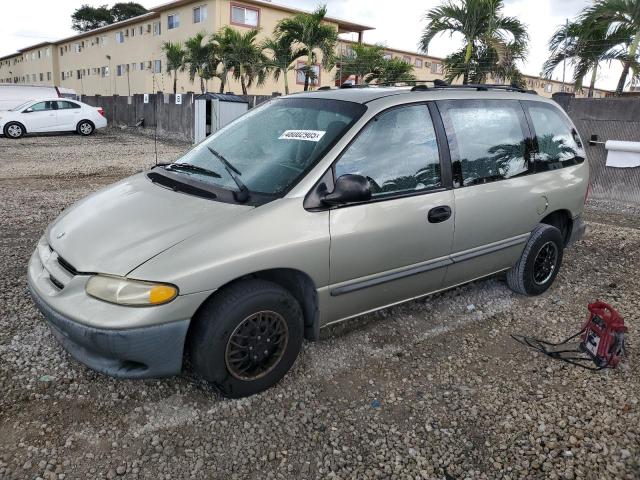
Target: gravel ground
(432, 389)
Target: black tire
(14, 130)
(539, 263)
(85, 128)
(230, 313)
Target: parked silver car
(307, 211)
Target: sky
(28, 22)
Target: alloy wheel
(545, 263)
(14, 131)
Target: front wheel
(85, 127)
(246, 337)
(14, 130)
(539, 263)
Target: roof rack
(483, 87)
(421, 86)
(349, 85)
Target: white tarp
(622, 154)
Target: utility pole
(564, 61)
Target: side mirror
(348, 189)
(28, 110)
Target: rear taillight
(101, 111)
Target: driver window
(397, 152)
(41, 106)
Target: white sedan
(54, 115)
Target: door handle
(439, 214)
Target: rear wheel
(85, 127)
(539, 263)
(14, 130)
(247, 337)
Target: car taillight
(101, 111)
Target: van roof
(369, 94)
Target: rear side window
(556, 143)
(486, 139)
(396, 151)
(62, 104)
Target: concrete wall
(161, 111)
(609, 119)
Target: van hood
(118, 228)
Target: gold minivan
(309, 210)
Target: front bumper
(153, 351)
(132, 342)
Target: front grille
(67, 266)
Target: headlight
(123, 291)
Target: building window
(42, 77)
(103, 41)
(49, 76)
(33, 77)
(39, 54)
(119, 37)
(104, 72)
(157, 66)
(245, 16)
(62, 75)
(548, 88)
(418, 63)
(140, 30)
(173, 21)
(76, 48)
(436, 68)
(387, 56)
(200, 14)
(78, 74)
(119, 70)
(300, 74)
(61, 51)
(407, 59)
(157, 30)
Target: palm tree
(619, 16)
(394, 70)
(283, 57)
(175, 61)
(584, 45)
(487, 33)
(199, 59)
(363, 61)
(309, 31)
(241, 55)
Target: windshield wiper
(243, 195)
(190, 167)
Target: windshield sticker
(307, 135)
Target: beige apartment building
(126, 57)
